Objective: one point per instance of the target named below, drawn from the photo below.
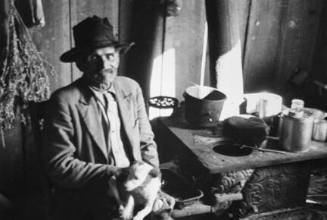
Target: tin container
(319, 130)
(295, 134)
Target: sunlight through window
(230, 80)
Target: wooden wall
(279, 37)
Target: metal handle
(265, 150)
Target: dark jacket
(74, 149)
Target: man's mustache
(108, 70)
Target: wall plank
(145, 29)
(226, 52)
(53, 39)
(243, 10)
(125, 29)
(299, 35)
(320, 53)
(263, 44)
(183, 48)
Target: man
(94, 127)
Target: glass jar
(297, 108)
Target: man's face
(101, 66)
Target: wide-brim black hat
(90, 34)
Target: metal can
(296, 133)
(319, 132)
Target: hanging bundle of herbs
(24, 72)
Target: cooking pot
(203, 105)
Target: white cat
(136, 186)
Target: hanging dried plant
(24, 75)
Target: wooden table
(279, 181)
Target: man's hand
(163, 203)
(126, 212)
(117, 172)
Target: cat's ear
(155, 172)
(136, 162)
(122, 174)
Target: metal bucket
(296, 133)
(203, 105)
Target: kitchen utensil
(295, 133)
(203, 105)
(319, 132)
(265, 149)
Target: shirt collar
(99, 94)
